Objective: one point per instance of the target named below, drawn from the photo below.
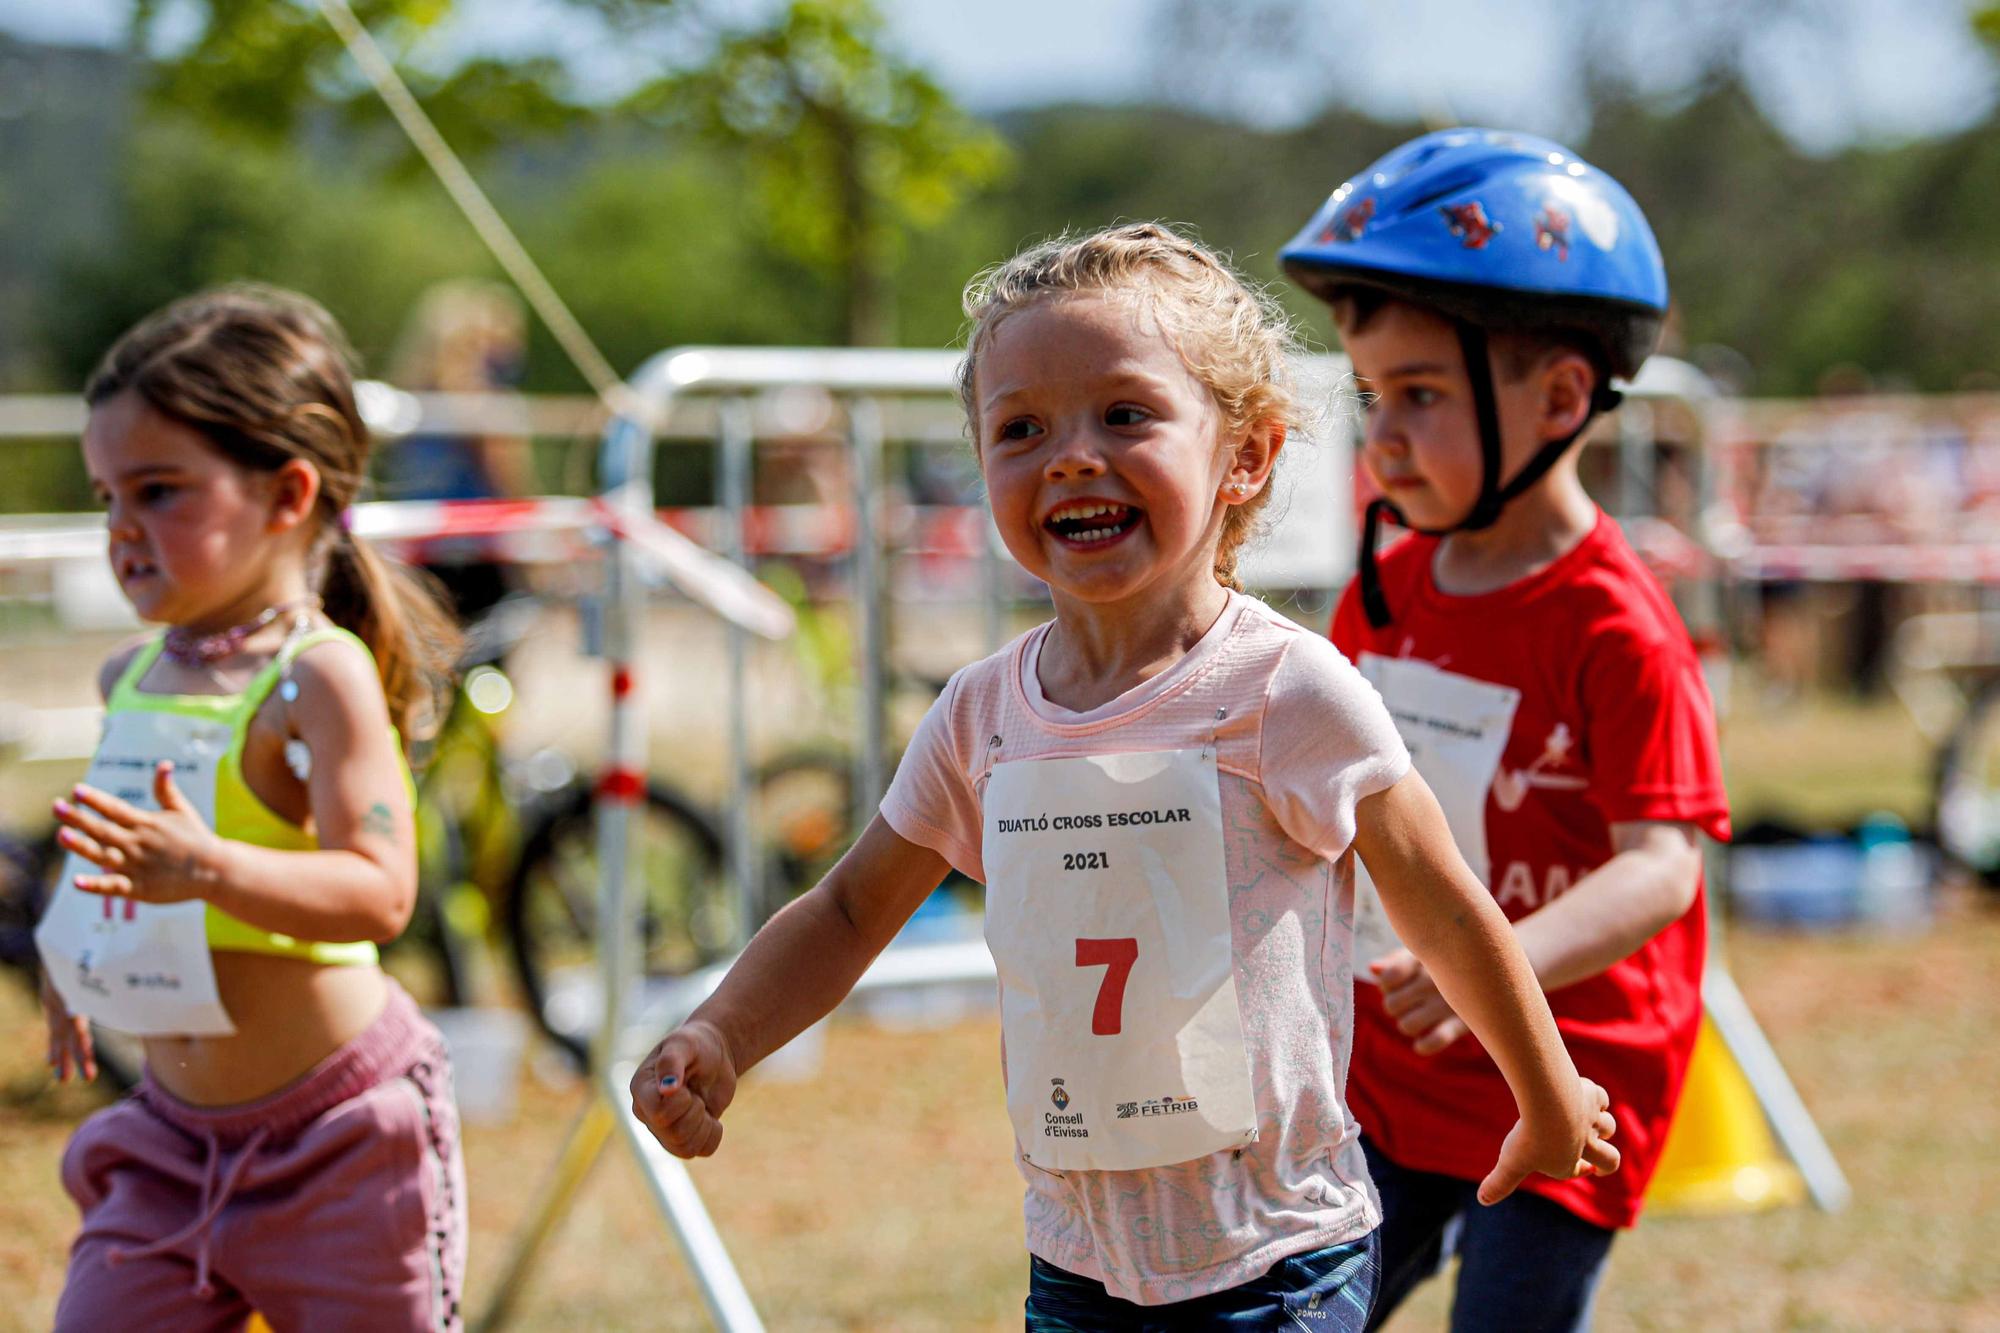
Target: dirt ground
(879, 1194)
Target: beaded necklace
(200, 651)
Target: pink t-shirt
(1300, 739)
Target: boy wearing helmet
(1487, 287)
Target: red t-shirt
(1614, 724)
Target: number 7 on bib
(1116, 957)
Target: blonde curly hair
(1231, 334)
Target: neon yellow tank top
(239, 814)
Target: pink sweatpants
(337, 1203)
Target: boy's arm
(1607, 916)
(1438, 906)
(799, 966)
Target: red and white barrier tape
(699, 573)
(676, 540)
(1883, 564)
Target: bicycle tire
(812, 826)
(805, 808)
(686, 912)
(1965, 804)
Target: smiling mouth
(132, 568)
(1091, 523)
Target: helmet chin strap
(1493, 495)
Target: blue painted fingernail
(669, 1081)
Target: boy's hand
(1412, 999)
(154, 856)
(683, 1087)
(1562, 1151)
(70, 1048)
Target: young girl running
(1162, 790)
(242, 843)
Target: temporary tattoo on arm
(380, 820)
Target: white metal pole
(736, 433)
(1790, 1120)
(871, 773)
(1635, 461)
(722, 1289)
(627, 467)
(992, 590)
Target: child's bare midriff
(290, 1014)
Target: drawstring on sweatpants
(209, 1211)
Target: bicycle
(511, 842)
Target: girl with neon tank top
(1163, 790)
(241, 845)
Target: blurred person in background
(465, 336)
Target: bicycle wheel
(686, 911)
(1967, 790)
(430, 958)
(805, 809)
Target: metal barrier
(885, 392)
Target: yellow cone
(1720, 1156)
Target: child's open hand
(154, 856)
(70, 1048)
(1413, 1000)
(1580, 1147)
(683, 1087)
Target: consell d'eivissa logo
(1057, 1125)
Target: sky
(1829, 72)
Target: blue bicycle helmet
(1498, 231)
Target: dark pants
(1525, 1264)
(1328, 1290)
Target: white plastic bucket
(486, 1046)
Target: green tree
(1986, 23)
(851, 148)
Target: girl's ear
(294, 494)
(1256, 454)
(1566, 382)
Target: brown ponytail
(267, 376)
(400, 613)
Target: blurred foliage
(262, 65)
(719, 202)
(1986, 22)
(850, 148)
